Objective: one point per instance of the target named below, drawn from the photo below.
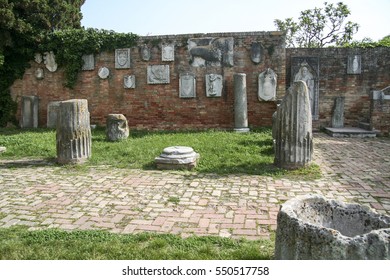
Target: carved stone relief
(50, 62)
(158, 74)
(38, 58)
(267, 85)
(129, 81)
(39, 74)
(145, 53)
(211, 51)
(168, 52)
(187, 86)
(88, 62)
(214, 84)
(122, 58)
(103, 73)
(307, 69)
(256, 52)
(354, 64)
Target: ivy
(368, 43)
(70, 45)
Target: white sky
(159, 17)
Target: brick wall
(158, 106)
(356, 88)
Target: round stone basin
(312, 227)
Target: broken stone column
(29, 112)
(177, 157)
(312, 227)
(73, 132)
(338, 112)
(293, 132)
(116, 127)
(240, 103)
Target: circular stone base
(177, 157)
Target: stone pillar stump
(73, 132)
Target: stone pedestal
(177, 157)
(29, 112)
(312, 227)
(240, 103)
(117, 127)
(338, 112)
(73, 132)
(293, 129)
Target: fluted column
(73, 132)
(293, 131)
(240, 103)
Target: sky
(171, 17)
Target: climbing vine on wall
(70, 45)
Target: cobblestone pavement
(39, 194)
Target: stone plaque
(256, 52)
(267, 85)
(145, 53)
(168, 52)
(52, 113)
(50, 61)
(158, 74)
(122, 58)
(214, 85)
(39, 73)
(307, 69)
(129, 81)
(211, 51)
(187, 86)
(88, 62)
(29, 112)
(103, 73)
(354, 64)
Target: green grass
(17, 243)
(221, 152)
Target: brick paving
(39, 194)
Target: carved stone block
(158, 74)
(168, 52)
(52, 113)
(117, 127)
(211, 51)
(122, 58)
(145, 53)
(103, 73)
(129, 81)
(187, 86)
(88, 62)
(338, 112)
(214, 85)
(354, 64)
(50, 61)
(29, 112)
(256, 52)
(267, 85)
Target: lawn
(221, 152)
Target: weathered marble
(240, 103)
(214, 85)
(354, 64)
(312, 227)
(122, 58)
(256, 52)
(158, 74)
(39, 74)
(50, 61)
(293, 129)
(117, 127)
(187, 85)
(145, 53)
(338, 112)
(177, 157)
(88, 62)
(103, 73)
(29, 110)
(129, 81)
(73, 134)
(168, 52)
(211, 51)
(267, 85)
(52, 113)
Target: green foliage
(69, 45)
(368, 43)
(17, 243)
(23, 24)
(319, 27)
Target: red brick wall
(159, 106)
(356, 88)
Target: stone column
(293, 131)
(338, 112)
(29, 112)
(117, 127)
(240, 103)
(73, 132)
(52, 113)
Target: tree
(319, 27)
(23, 24)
